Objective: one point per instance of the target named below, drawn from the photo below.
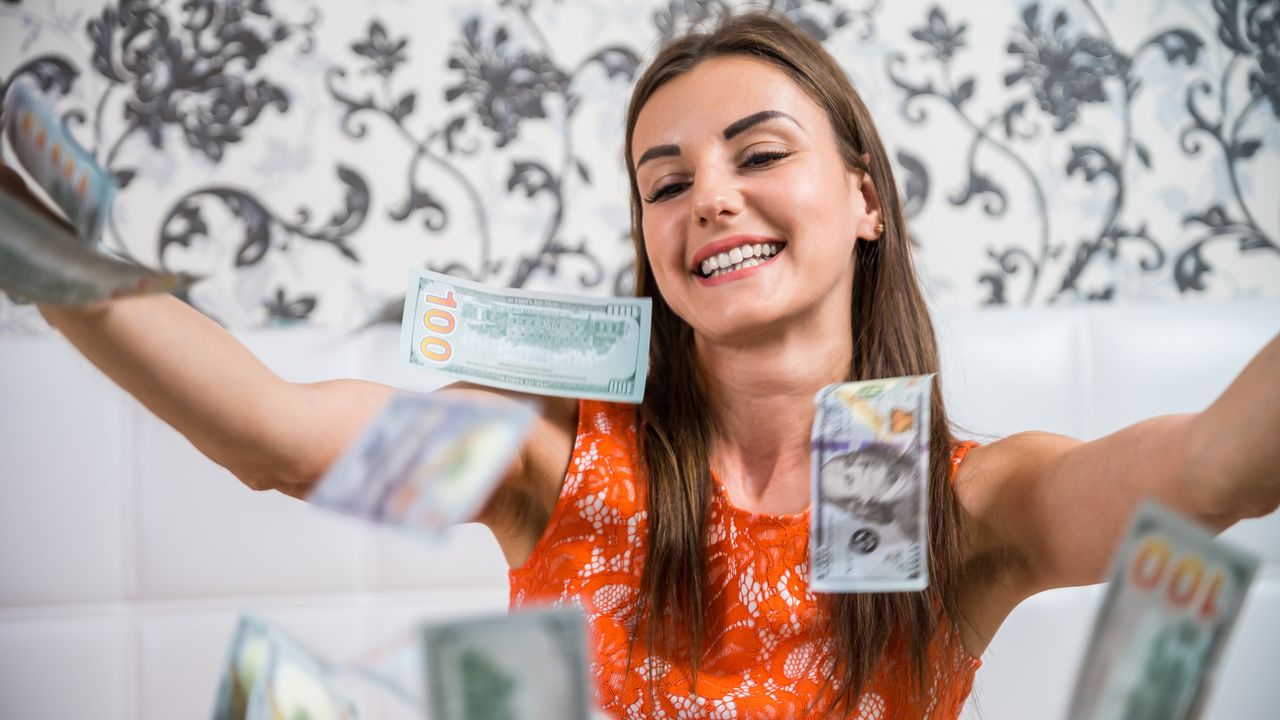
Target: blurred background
(1092, 190)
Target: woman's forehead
(716, 93)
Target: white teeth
(739, 258)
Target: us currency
(530, 342)
(76, 183)
(869, 481)
(268, 675)
(42, 260)
(529, 665)
(425, 462)
(1173, 596)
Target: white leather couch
(126, 556)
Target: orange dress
(765, 654)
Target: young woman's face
(749, 212)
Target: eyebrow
(734, 129)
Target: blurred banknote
(1173, 597)
(81, 188)
(529, 665)
(44, 258)
(870, 475)
(268, 676)
(426, 462)
(540, 343)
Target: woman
(770, 237)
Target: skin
(1044, 510)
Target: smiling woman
(773, 244)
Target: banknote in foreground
(529, 665)
(1174, 593)
(540, 343)
(426, 462)
(268, 675)
(870, 476)
(42, 260)
(81, 188)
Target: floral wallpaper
(302, 156)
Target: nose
(716, 198)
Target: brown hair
(892, 336)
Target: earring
(879, 228)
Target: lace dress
(765, 654)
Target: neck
(760, 398)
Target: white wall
(126, 556)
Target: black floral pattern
(498, 133)
(506, 85)
(1063, 71)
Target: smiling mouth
(739, 258)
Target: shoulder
(991, 479)
(992, 483)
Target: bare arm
(1053, 508)
(199, 379)
(276, 435)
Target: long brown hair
(892, 336)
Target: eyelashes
(755, 160)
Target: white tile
(1260, 536)
(56, 668)
(1030, 667)
(468, 556)
(1153, 360)
(182, 651)
(1006, 371)
(202, 533)
(64, 444)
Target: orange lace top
(765, 653)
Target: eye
(666, 191)
(763, 157)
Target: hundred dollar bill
(1173, 597)
(42, 260)
(76, 183)
(529, 665)
(540, 343)
(426, 462)
(268, 675)
(870, 475)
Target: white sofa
(126, 556)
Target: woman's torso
(765, 652)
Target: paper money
(870, 476)
(540, 343)
(81, 188)
(42, 260)
(529, 665)
(426, 462)
(1173, 597)
(268, 675)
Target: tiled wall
(126, 556)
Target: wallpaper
(301, 156)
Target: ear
(864, 201)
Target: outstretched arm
(1054, 509)
(195, 376)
